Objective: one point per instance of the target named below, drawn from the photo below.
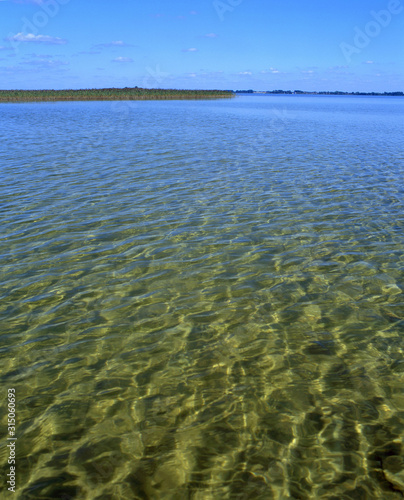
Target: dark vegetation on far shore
(324, 92)
(138, 93)
(112, 94)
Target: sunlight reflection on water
(200, 300)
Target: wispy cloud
(369, 62)
(117, 43)
(192, 49)
(29, 37)
(38, 56)
(122, 60)
(210, 35)
(245, 73)
(88, 52)
(35, 2)
(46, 63)
(272, 71)
(12, 69)
(338, 70)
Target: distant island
(110, 94)
(323, 92)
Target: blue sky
(355, 45)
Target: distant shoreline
(110, 94)
(302, 92)
(142, 94)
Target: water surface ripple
(204, 299)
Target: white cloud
(210, 35)
(193, 49)
(274, 71)
(123, 60)
(29, 37)
(245, 73)
(369, 62)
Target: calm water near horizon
(204, 299)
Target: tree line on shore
(323, 92)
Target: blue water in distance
(204, 299)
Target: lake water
(204, 299)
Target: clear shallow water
(204, 300)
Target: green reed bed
(111, 94)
